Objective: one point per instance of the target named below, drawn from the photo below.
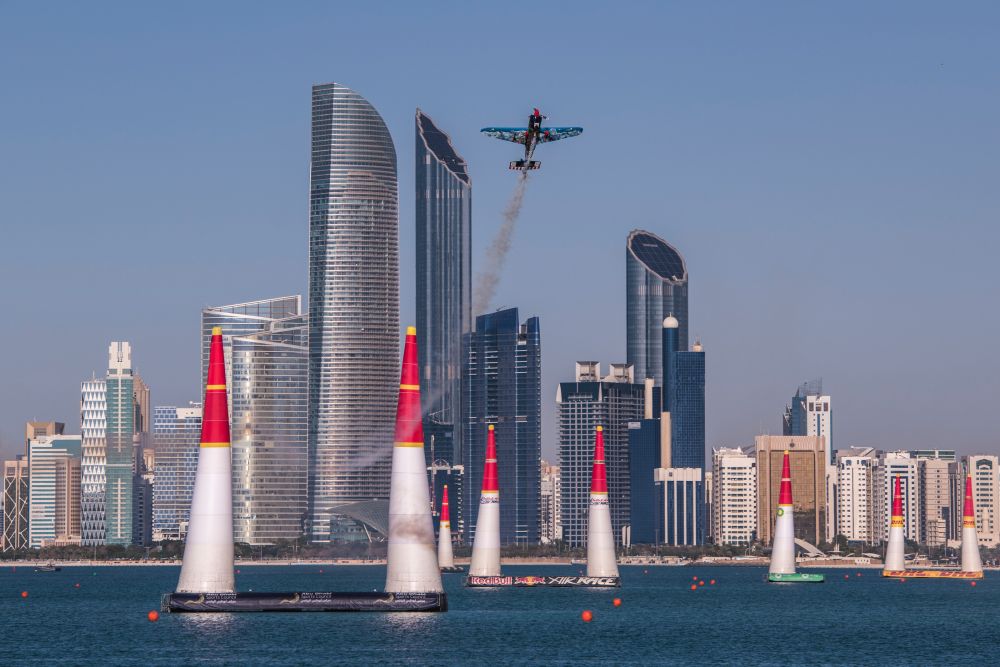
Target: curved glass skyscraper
(444, 277)
(353, 302)
(656, 285)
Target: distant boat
(48, 567)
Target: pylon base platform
(797, 578)
(302, 601)
(532, 582)
(931, 574)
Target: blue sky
(829, 171)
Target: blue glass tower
(444, 285)
(503, 387)
(687, 409)
(644, 458)
(656, 285)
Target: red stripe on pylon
(598, 474)
(445, 516)
(897, 499)
(215, 415)
(785, 496)
(969, 510)
(409, 427)
(490, 480)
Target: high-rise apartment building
(858, 494)
(265, 346)
(39, 429)
(269, 432)
(682, 497)
(656, 286)
(120, 454)
(734, 496)
(16, 475)
(551, 504)
(354, 330)
(807, 457)
(176, 438)
(444, 285)
(503, 387)
(940, 478)
(810, 413)
(54, 494)
(593, 400)
(93, 425)
(900, 464)
(985, 471)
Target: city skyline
(898, 185)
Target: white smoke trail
(489, 275)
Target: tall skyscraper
(264, 343)
(900, 464)
(551, 504)
(353, 303)
(734, 478)
(269, 444)
(119, 429)
(685, 391)
(937, 480)
(54, 515)
(807, 456)
(503, 382)
(176, 438)
(93, 425)
(37, 429)
(656, 285)
(444, 278)
(858, 494)
(16, 475)
(590, 401)
(985, 471)
(810, 413)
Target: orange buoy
(618, 601)
(587, 616)
(701, 583)
(24, 594)
(712, 582)
(694, 578)
(847, 576)
(972, 583)
(694, 587)
(153, 616)
(76, 585)
(859, 574)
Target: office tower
(353, 303)
(645, 458)
(685, 401)
(265, 348)
(54, 490)
(269, 392)
(656, 285)
(120, 457)
(441, 473)
(734, 496)
(141, 397)
(93, 425)
(900, 464)
(503, 387)
(682, 497)
(590, 401)
(551, 504)
(985, 471)
(37, 429)
(940, 479)
(16, 474)
(807, 456)
(809, 413)
(444, 279)
(176, 435)
(858, 494)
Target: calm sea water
(740, 620)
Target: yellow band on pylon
(212, 387)
(215, 444)
(412, 387)
(409, 444)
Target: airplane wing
(557, 133)
(515, 134)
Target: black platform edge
(530, 581)
(454, 569)
(303, 601)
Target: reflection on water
(207, 625)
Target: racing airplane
(531, 136)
